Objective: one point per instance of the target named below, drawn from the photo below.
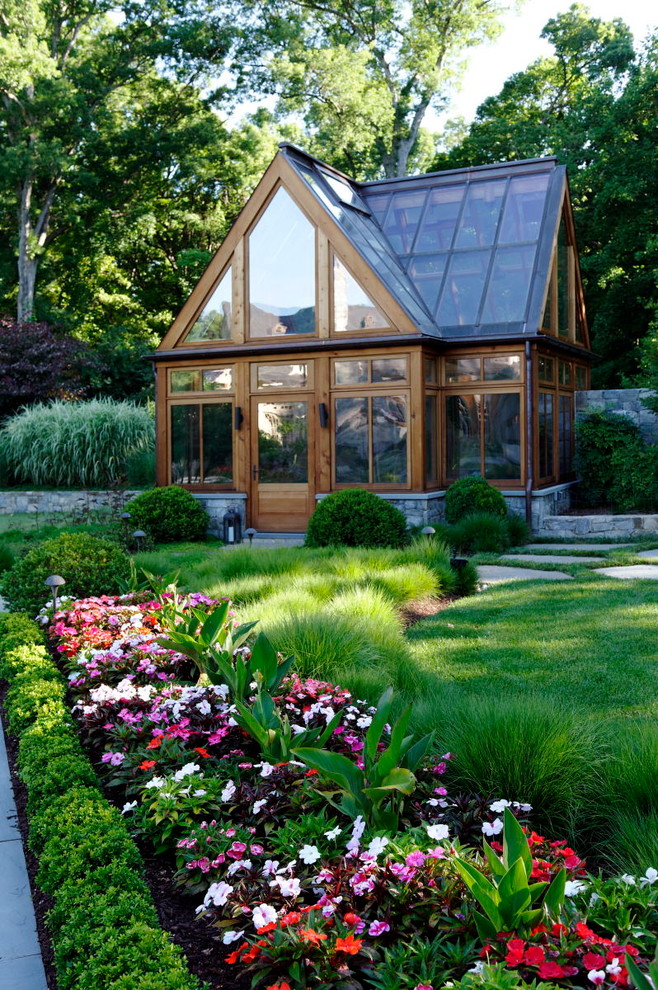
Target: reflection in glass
(562, 283)
(352, 460)
(281, 271)
(502, 367)
(185, 381)
(463, 370)
(502, 435)
(389, 369)
(185, 445)
(353, 308)
(402, 220)
(217, 380)
(440, 218)
(524, 209)
(507, 294)
(350, 372)
(566, 434)
(426, 274)
(462, 289)
(479, 220)
(429, 364)
(431, 439)
(214, 323)
(379, 205)
(545, 425)
(282, 376)
(463, 435)
(564, 373)
(545, 369)
(389, 439)
(581, 376)
(217, 443)
(282, 442)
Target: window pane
(185, 445)
(389, 369)
(431, 439)
(217, 443)
(462, 289)
(429, 364)
(353, 308)
(507, 294)
(481, 212)
(352, 459)
(562, 283)
(389, 439)
(566, 434)
(214, 323)
(282, 376)
(564, 373)
(426, 274)
(282, 271)
(503, 367)
(581, 376)
(350, 372)
(440, 218)
(524, 209)
(282, 442)
(463, 370)
(185, 381)
(546, 369)
(502, 436)
(463, 435)
(403, 217)
(217, 380)
(545, 435)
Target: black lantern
(232, 527)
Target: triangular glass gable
(281, 270)
(353, 307)
(214, 321)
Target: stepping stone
(494, 574)
(649, 554)
(577, 546)
(552, 558)
(649, 571)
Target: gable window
(214, 321)
(281, 271)
(353, 308)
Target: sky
(491, 64)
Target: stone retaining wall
(75, 503)
(625, 401)
(613, 527)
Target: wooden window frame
(405, 383)
(480, 354)
(337, 335)
(281, 389)
(200, 393)
(476, 389)
(198, 400)
(365, 392)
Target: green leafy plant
(481, 532)
(606, 444)
(378, 790)
(169, 515)
(356, 518)
(509, 901)
(474, 494)
(638, 978)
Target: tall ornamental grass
(73, 444)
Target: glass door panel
(352, 441)
(463, 436)
(389, 439)
(502, 436)
(283, 442)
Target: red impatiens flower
(146, 765)
(592, 960)
(349, 944)
(267, 928)
(534, 955)
(203, 752)
(310, 935)
(234, 956)
(155, 743)
(515, 949)
(278, 986)
(291, 918)
(550, 971)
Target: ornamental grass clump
(85, 444)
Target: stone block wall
(626, 402)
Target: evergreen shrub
(356, 518)
(613, 463)
(474, 494)
(481, 532)
(88, 564)
(169, 515)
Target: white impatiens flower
(258, 805)
(377, 845)
(266, 769)
(597, 976)
(333, 833)
(628, 879)
(288, 886)
(613, 967)
(186, 771)
(437, 832)
(492, 828)
(359, 827)
(229, 937)
(573, 887)
(649, 877)
(499, 806)
(228, 791)
(217, 894)
(263, 914)
(309, 854)
(130, 806)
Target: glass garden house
(392, 335)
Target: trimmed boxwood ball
(169, 515)
(356, 518)
(88, 564)
(473, 494)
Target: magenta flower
(378, 928)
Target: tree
(63, 66)
(26, 347)
(363, 73)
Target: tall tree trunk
(31, 239)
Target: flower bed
(316, 839)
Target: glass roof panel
(479, 220)
(524, 208)
(379, 205)
(403, 217)
(346, 194)
(507, 295)
(214, 321)
(462, 289)
(427, 273)
(438, 224)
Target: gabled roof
(466, 252)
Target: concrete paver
(576, 546)
(645, 571)
(494, 574)
(552, 558)
(648, 554)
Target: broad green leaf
(399, 779)
(393, 752)
(513, 893)
(336, 766)
(497, 867)
(252, 725)
(214, 623)
(486, 928)
(333, 724)
(376, 727)
(636, 976)
(515, 844)
(264, 658)
(484, 892)
(554, 898)
(416, 753)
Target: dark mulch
(423, 608)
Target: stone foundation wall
(75, 503)
(626, 402)
(612, 527)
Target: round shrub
(169, 515)
(469, 495)
(356, 518)
(481, 532)
(88, 564)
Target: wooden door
(282, 490)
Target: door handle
(254, 472)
